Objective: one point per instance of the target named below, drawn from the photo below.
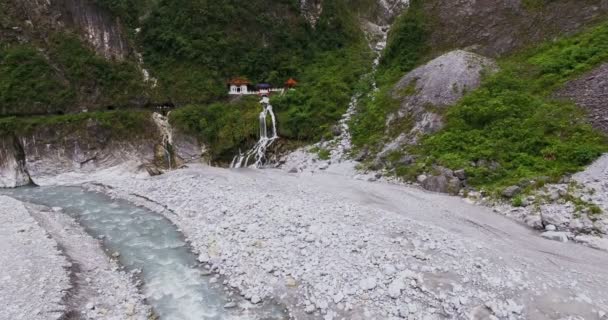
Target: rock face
(496, 27)
(433, 87)
(13, 172)
(591, 92)
(94, 24)
(52, 150)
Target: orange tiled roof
(239, 81)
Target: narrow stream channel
(174, 283)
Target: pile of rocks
(576, 208)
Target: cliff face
(497, 27)
(95, 25)
(13, 171)
(87, 146)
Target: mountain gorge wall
(87, 146)
(93, 24)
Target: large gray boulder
(429, 89)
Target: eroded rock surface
(496, 27)
(590, 91)
(13, 171)
(427, 90)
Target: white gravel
(34, 276)
(333, 247)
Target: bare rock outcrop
(496, 27)
(90, 146)
(429, 89)
(590, 91)
(13, 171)
(94, 24)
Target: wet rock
(230, 305)
(511, 191)
(293, 170)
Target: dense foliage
(327, 61)
(513, 121)
(224, 127)
(66, 75)
(194, 47)
(120, 124)
(28, 82)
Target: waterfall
(162, 122)
(258, 152)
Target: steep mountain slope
(509, 130)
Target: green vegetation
(116, 83)
(328, 61)
(513, 121)
(28, 83)
(406, 49)
(194, 47)
(66, 75)
(323, 95)
(224, 127)
(507, 131)
(120, 124)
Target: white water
(257, 154)
(173, 282)
(162, 122)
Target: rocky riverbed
(333, 247)
(52, 269)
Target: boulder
(454, 186)
(460, 174)
(558, 217)
(511, 191)
(534, 221)
(436, 184)
(555, 236)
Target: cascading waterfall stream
(258, 152)
(162, 122)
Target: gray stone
(550, 227)
(460, 174)
(558, 217)
(555, 236)
(395, 288)
(421, 178)
(293, 170)
(436, 184)
(534, 221)
(361, 155)
(511, 191)
(454, 186)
